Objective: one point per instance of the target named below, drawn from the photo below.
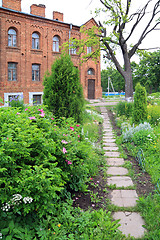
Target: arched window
(12, 38)
(35, 41)
(73, 49)
(90, 71)
(56, 44)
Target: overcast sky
(78, 12)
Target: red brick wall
(12, 4)
(25, 56)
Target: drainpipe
(70, 36)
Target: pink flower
(52, 118)
(63, 141)
(32, 118)
(64, 150)
(77, 125)
(91, 178)
(7, 138)
(68, 162)
(42, 114)
(17, 113)
(72, 128)
(78, 136)
(41, 110)
(26, 109)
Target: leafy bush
(65, 222)
(154, 114)
(131, 133)
(124, 108)
(140, 104)
(41, 156)
(63, 92)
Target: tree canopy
(116, 31)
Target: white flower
(27, 199)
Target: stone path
(131, 223)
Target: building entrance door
(91, 89)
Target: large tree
(117, 31)
(124, 25)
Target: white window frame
(6, 95)
(31, 97)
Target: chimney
(12, 4)
(38, 10)
(58, 16)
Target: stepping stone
(109, 140)
(120, 181)
(108, 131)
(115, 161)
(110, 134)
(112, 154)
(110, 148)
(116, 171)
(131, 223)
(124, 198)
(110, 144)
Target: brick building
(29, 44)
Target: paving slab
(108, 132)
(117, 171)
(110, 148)
(115, 161)
(112, 154)
(120, 181)
(109, 139)
(108, 135)
(109, 144)
(124, 198)
(131, 223)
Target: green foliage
(147, 72)
(116, 78)
(140, 104)
(149, 207)
(17, 102)
(63, 92)
(41, 156)
(65, 222)
(154, 114)
(124, 108)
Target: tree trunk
(128, 76)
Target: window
(35, 41)
(12, 95)
(12, 38)
(12, 71)
(90, 71)
(35, 72)
(55, 44)
(89, 50)
(72, 49)
(37, 99)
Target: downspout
(70, 37)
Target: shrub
(140, 104)
(63, 92)
(124, 108)
(41, 156)
(154, 114)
